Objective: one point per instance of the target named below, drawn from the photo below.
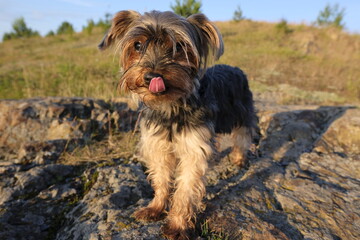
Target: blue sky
(46, 15)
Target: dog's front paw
(174, 234)
(149, 214)
(177, 234)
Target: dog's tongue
(157, 85)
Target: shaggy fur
(164, 60)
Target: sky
(46, 15)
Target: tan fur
(182, 162)
(241, 139)
(161, 163)
(193, 149)
(177, 159)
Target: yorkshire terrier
(164, 60)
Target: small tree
(89, 28)
(105, 24)
(20, 30)
(50, 34)
(65, 28)
(283, 27)
(186, 8)
(7, 36)
(238, 14)
(331, 16)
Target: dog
(165, 62)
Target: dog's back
(225, 90)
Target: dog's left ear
(121, 22)
(211, 36)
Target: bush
(238, 15)
(65, 28)
(20, 30)
(186, 8)
(331, 16)
(106, 23)
(283, 27)
(50, 33)
(89, 28)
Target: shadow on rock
(285, 194)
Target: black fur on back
(224, 101)
(225, 90)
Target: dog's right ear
(119, 26)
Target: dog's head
(162, 55)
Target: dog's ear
(119, 26)
(211, 36)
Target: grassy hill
(300, 64)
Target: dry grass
(57, 66)
(305, 58)
(311, 59)
(119, 146)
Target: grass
(305, 58)
(308, 58)
(56, 66)
(208, 234)
(119, 145)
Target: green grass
(306, 58)
(208, 234)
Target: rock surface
(39, 130)
(303, 184)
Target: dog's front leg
(193, 148)
(160, 161)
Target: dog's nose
(149, 76)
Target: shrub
(186, 8)
(65, 28)
(106, 23)
(331, 16)
(283, 27)
(20, 30)
(89, 28)
(50, 33)
(238, 14)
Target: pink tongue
(157, 85)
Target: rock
(292, 191)
(303, 183)
(27, 207)
(343, 136)
(106, 210)
(39, 130)
(289, 134)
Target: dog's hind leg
(241, 139)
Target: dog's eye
(138, 46)
(179, 47)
